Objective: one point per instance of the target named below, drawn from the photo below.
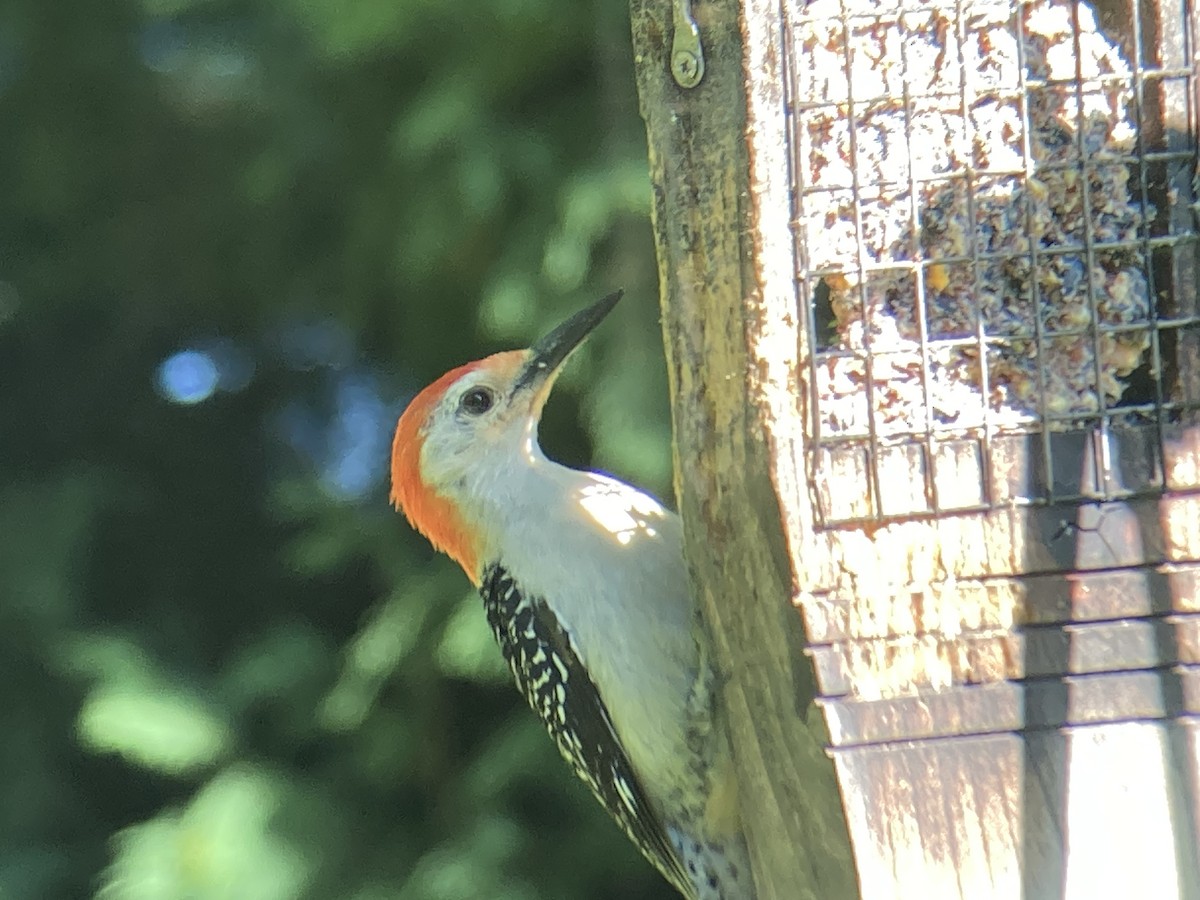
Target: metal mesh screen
(995, 222)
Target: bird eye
(477, 401)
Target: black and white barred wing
(558, 687)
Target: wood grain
(740, 565)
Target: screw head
(685, 66)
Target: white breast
(608, 560)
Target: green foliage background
(228, 669)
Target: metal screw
(685, 66)
(687, 52)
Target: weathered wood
(993, 816)
(995, 736)
(740, 565)
(1004, 628)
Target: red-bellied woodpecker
(585, 588)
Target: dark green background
(227, 668)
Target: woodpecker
(585, 588)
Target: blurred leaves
(46, 527)
(467, 648)
(156, 726)
(222, 845)
(228, 669)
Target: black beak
(548, 354)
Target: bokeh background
(236, 236)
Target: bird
(585, 588)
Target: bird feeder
(965, 288)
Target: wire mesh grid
(995, 225)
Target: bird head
(460, 437)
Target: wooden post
(705, 223)
(1001, 624)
